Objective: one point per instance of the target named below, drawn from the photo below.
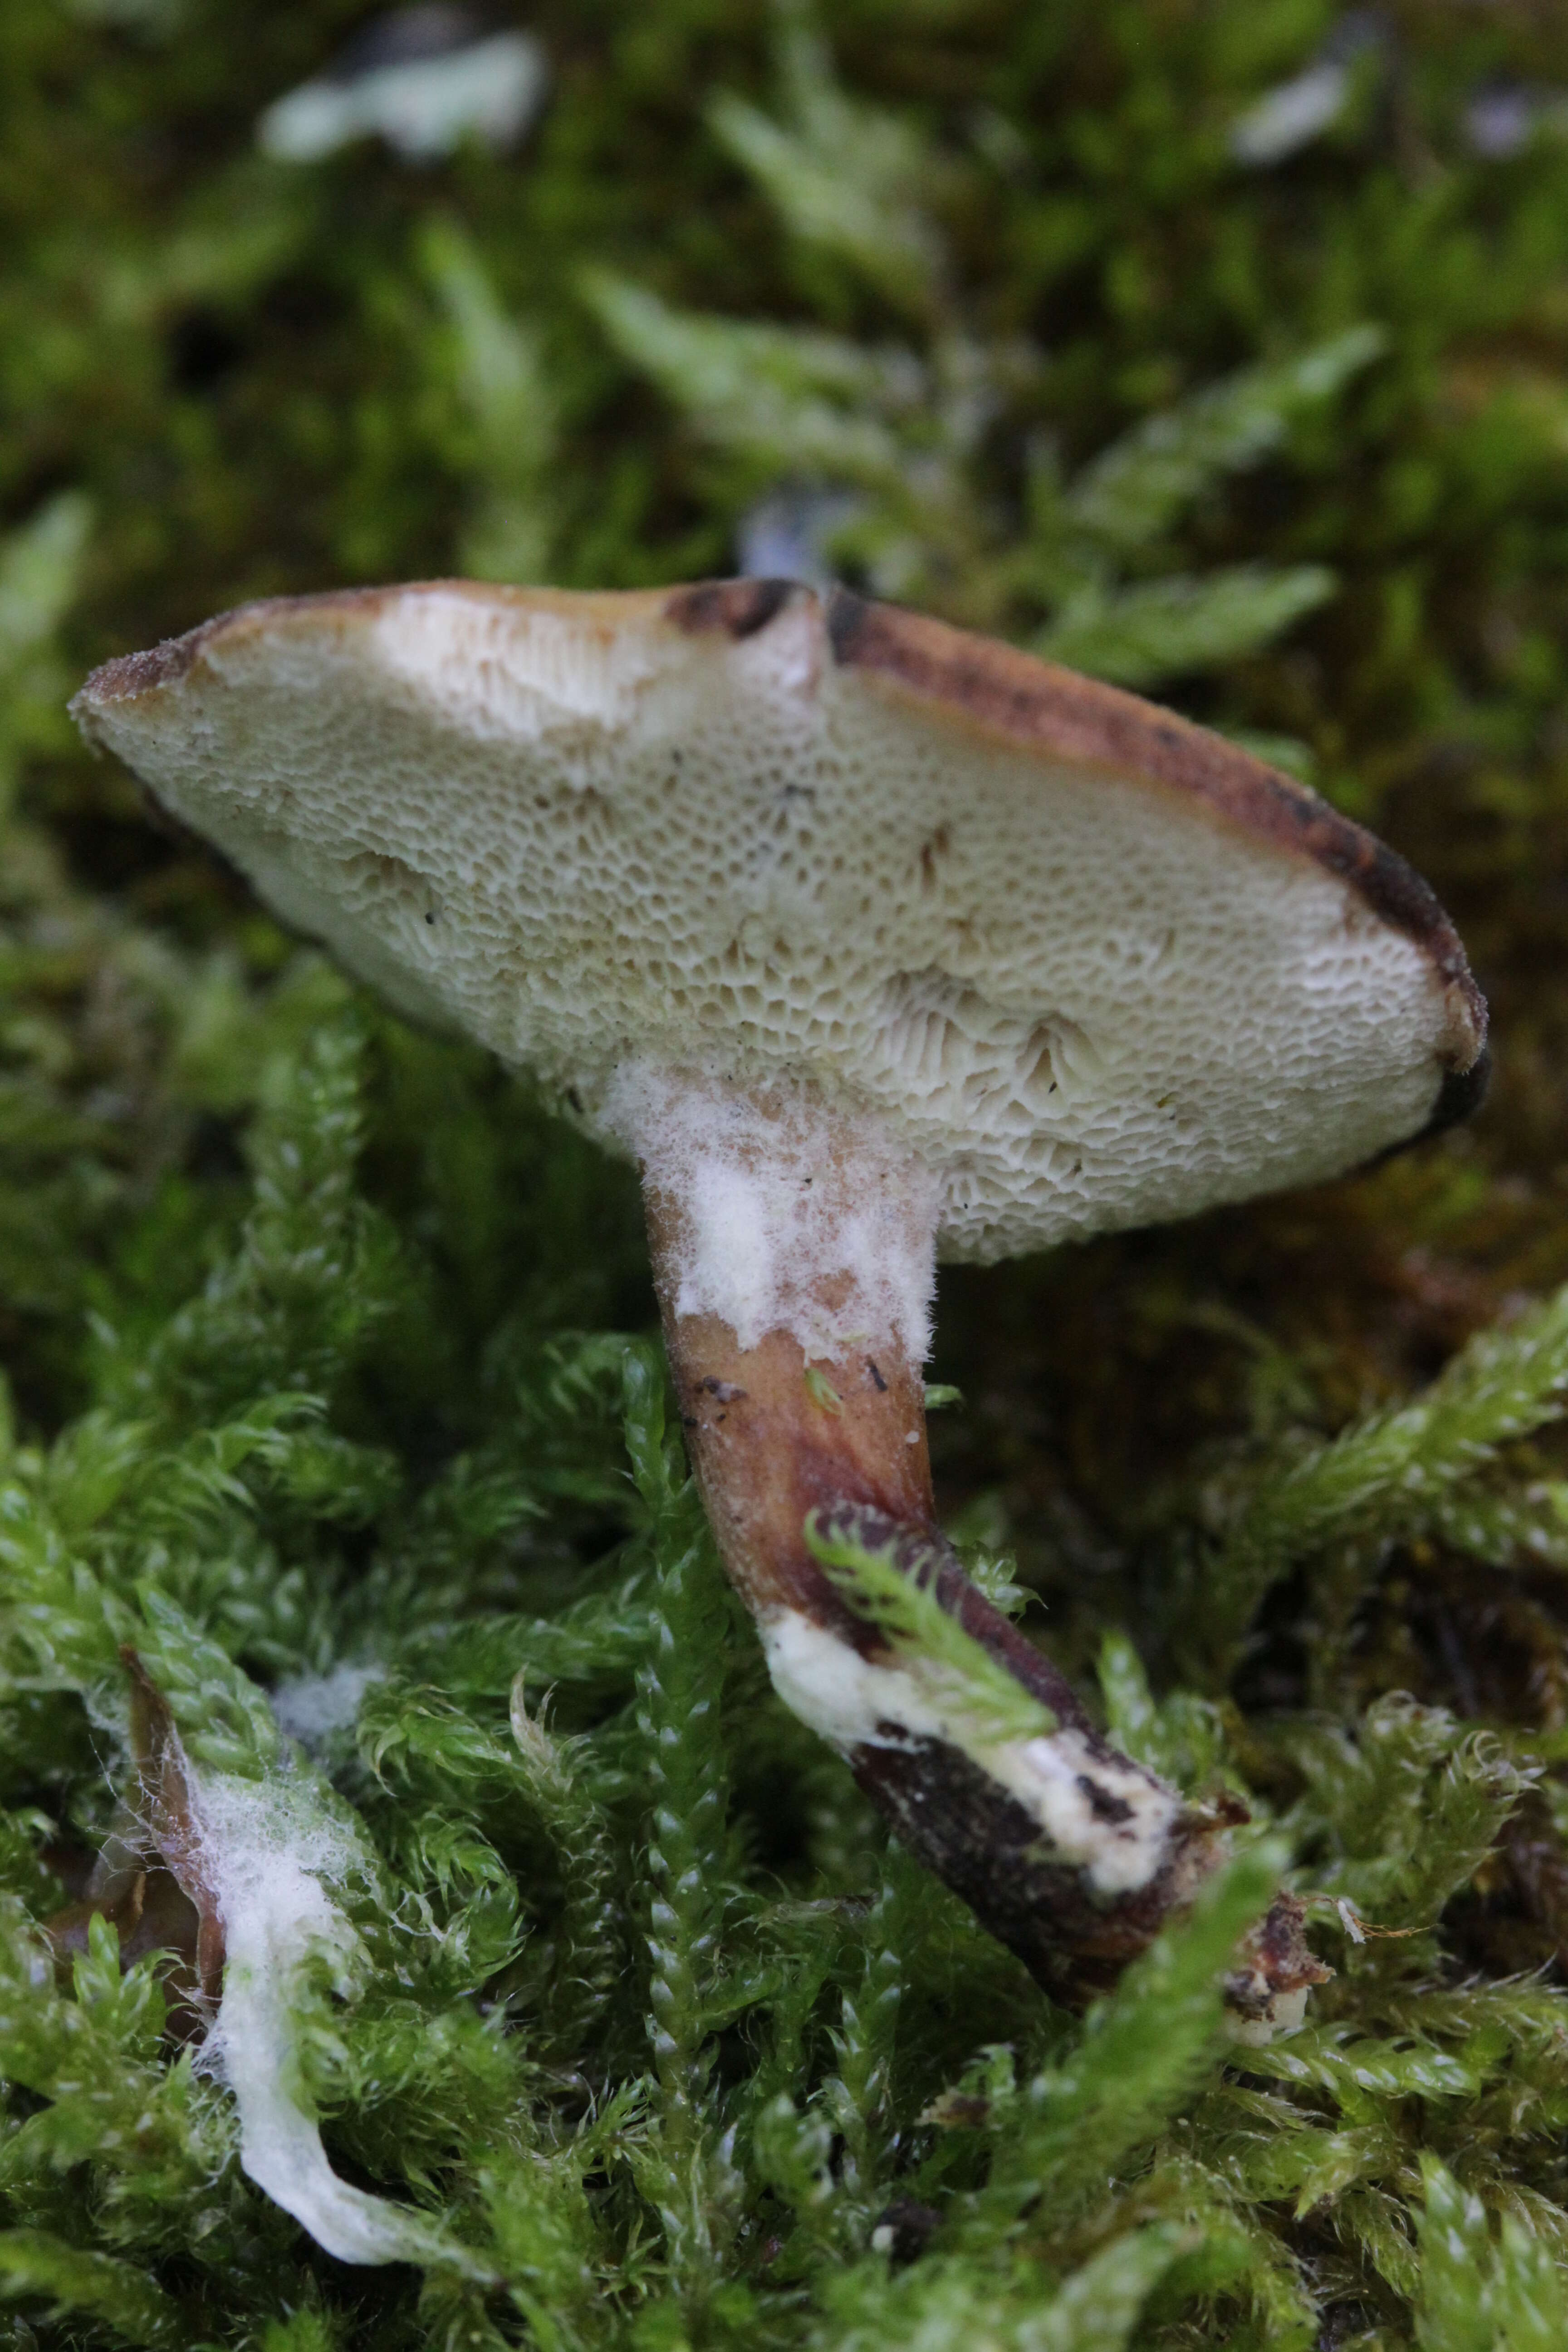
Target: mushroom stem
(794, 1250)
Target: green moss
(315, 1330)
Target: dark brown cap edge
(731, 608)
(1004, 691)
(1459, 1096)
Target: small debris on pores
(423, 80)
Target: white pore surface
(851, 1702)
(584, 835)
(786, 1218)
(270, 1855)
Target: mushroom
(864, 936)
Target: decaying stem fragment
(259, 1865)
(803, 1411)
(147, 1881)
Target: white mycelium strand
(793, 1213)
(311, 1707)
(268, 1854)
(851, 1702)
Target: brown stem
(1071, 1853)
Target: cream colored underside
(1079, 1001)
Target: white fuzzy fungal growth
(852, 1702)
(311, 1707)
(1084, 965)
(268, 1854)
(791, 1215)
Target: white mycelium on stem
(792, 1212)
(855, 1702)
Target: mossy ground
(310, 1324)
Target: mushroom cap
(1092, 965)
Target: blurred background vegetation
(1218, 346)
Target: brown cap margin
(1013, 693)
(164, 664)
